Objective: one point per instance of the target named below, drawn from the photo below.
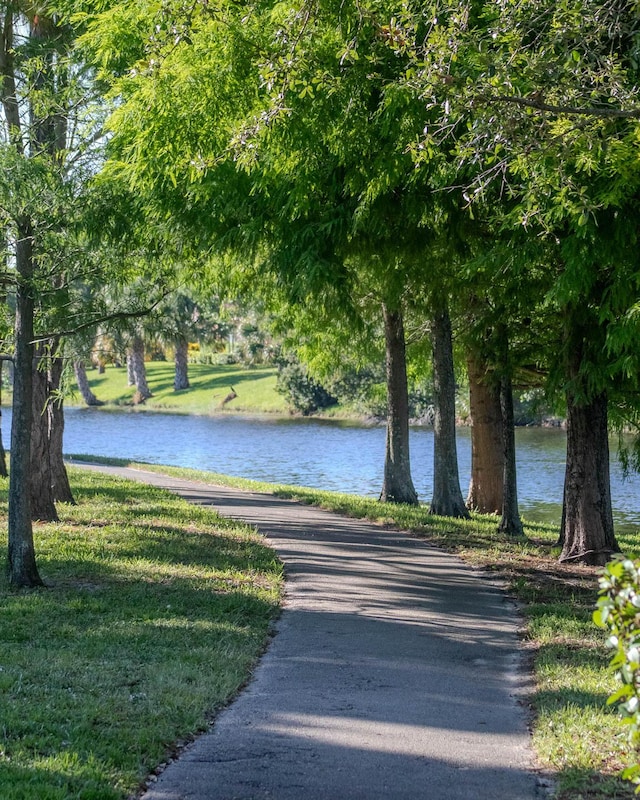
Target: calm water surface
(321, 454)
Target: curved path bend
(394, 673)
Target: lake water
(321, 454)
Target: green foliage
(303, 393)
(363, 390)
(619, 612)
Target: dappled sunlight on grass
(153, 616)
(255, 388)
(578, 737)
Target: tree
(36, 91)
(4, 473)
(510, 522)
(506, 338)
(447, 497)
(42, 496)
(487, 476)
(539, 103)
(274, 160)
(186, 315)
(135, 356)
(21, 556)
(46, 164)
(397, 485)
(587, 532)
(80, 372)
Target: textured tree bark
(447, 497)
(22, 568)
(131, 378)
(4, 472)
(139, 370)
(587, 533)
(181, 360)
(60, 486)
(48, 136)
(80, 372)
(486, 484)
(397, 485)
(29, 489)
(43, 506)
(3, 456)
(510, 522)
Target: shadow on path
(395, 673)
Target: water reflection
(322, 454)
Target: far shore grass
(580, 741)
(210, 388)
(255, 388)
(153, 616)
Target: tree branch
(118, 315)
(539, 105)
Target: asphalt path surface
(395, 672)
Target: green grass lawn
(254, 386)
(578, 738)
(156, 610)
(153, 615)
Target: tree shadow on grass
(102, 676)
(587, 784)
(202, 378)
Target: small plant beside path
(154, 614)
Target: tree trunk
(486, 484)
(43, 506)
(139, 369)
(397, 486)
(80, 372)
(131, 378)
(48, 137)
(22, 569)
(510, 523)
(587, 533)
(181, 380)
(60, 485)
(3, 456)
(447, 497)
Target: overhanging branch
(118, 315)
(539, 105)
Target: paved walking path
(394, 673)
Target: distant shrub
(531, 407)
(421, 404)
(302, 392)
(223, 358)
(212, 359)
(363, 389)
(619, 612)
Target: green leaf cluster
(618, 612)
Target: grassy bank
(255, 389)
(152, 618)
(578, 738)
